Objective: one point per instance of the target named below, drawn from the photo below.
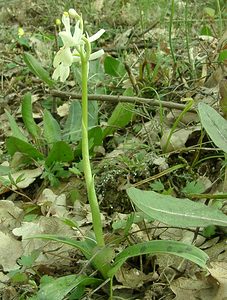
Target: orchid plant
(166, 209)
(77, 49)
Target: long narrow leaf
(72, 128)
(36, 68)
(52, 130)
(186, 251)
(84, 246)
(121, 116)
(14, 144)
(214, 124)
(61, 152)
(27, 116)
(176, 212)
(16, 132)
(58, 289)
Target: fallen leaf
(45, 225)
(219, 272)
(9, 214)
(22, 179)
(192, 289)
(10, 251)
(52, 204)
(178, 138)
(133, 278)
(63, 110)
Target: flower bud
(73, 13)
(58, 22)
(66, 14)
(20, 32)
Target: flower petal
(76, 59)
(61, 72)
(96, 35)
(96, 54)
(77, 35)
(64, 55)
(67, 39)
(56, 73)
(64, 72)
(66, 22)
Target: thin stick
(111, 98)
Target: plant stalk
(92, 198)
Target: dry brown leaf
(53, 204)
(21, 178)
(45, 225)
(133, 278)
(10, 251)
(10, 214)
(178, 138)
(223, 96)
(63, 110)
(192, 289)
(219, 272)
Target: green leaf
(36, 68)
(93, 110)
(58, 289)
(121, 116)
(14, 144)
(60, 151)
(18, 277)
(72, 128)
(209, 12)
(86, 247)
(186, 251)
(4, 170)
(52, 130)
(114, 67)
(101, 259)
(206, 30)
(95, 138)
(222, 55)
(214, 124)
(16, 132)
(28, 260)
(27, 116)
(157, 186)
(194, 187)
(176, 212)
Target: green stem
(92, 198)
(187, 108)
(219, 17)
(170, 32)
